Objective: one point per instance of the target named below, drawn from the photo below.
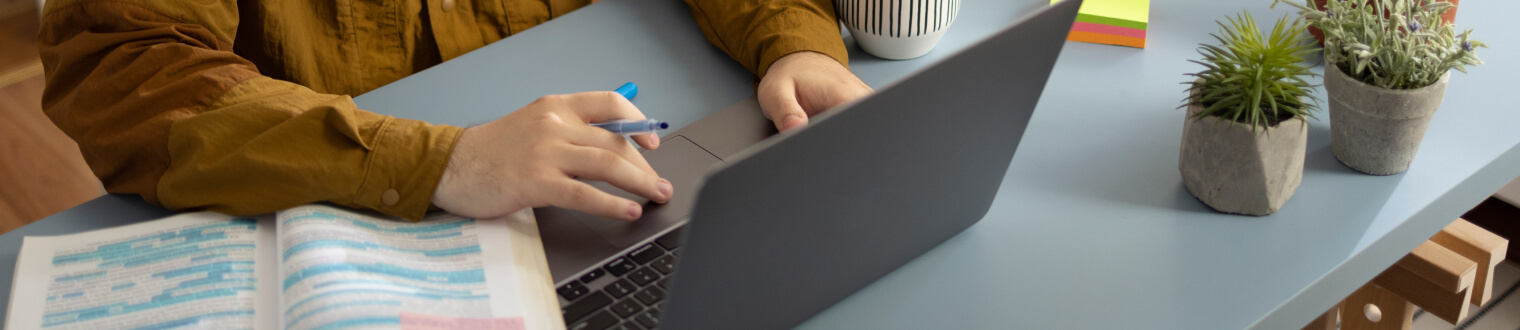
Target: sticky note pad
(1111, 22)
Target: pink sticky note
(1108, 29)
(417, 321)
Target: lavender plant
(1251, 79)
(1394, 44)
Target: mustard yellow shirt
(244, 107)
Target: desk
(1092, 228)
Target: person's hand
(531, 157)
(803, 84)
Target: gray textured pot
(1236, 171)
(1377, 130)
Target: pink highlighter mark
(416, 321)
(1108, 29)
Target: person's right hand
(531, 157)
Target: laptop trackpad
(678, 160)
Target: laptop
(766, 230)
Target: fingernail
(791, 122)
(655, 141)
(664, 187)
(634, 210)
(791, 117)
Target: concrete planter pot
(1234, 170)
(1377, 130)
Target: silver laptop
(769, 229)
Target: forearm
(267, 145)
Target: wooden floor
(41, 171)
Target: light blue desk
(1092, 228)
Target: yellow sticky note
(1129, 10)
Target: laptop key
(646, 320)
(620, 266)
(627, 307)
(649, 321)
(671, 240)
(664, 283)
(600, 321)
(572, 291)
(643, 276)
(593, 275)
(620, 288)
(650, 295)
(645, 254)
(664, 264)
(593, 302)
(630, 325)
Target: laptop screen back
(806, 218)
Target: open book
(310, 267)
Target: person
(243, 107)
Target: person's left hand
(803, 84)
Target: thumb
(779, 103)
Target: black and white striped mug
(897, 29)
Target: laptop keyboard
(625, 293)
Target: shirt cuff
(404, 167)
(798, 31)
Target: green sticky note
(1129, 10)
(1085, 18)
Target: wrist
(801, 59)
(448, 181)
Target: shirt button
(448, 5)
(390, 197)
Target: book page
(196, 270)
(343, 269)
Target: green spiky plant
(1394, 44)
(1252, 79)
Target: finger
(571, 194)
(602, 165)
(596, 107)
(649, 141)
(850, 93)
(599, 138)
(779, 103)
(844, 89)
(836, 97)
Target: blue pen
(628, 90)
(632, 127)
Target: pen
(628, 90)
(631, 127)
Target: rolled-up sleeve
(756, 33)
(162, 107)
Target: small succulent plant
(1253, 79)
(1394, 44)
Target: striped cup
(897, 29)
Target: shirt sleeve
(758, 32)
(161, 107)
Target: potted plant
(1387, 66)
(1449, 17)
(1244, 136)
